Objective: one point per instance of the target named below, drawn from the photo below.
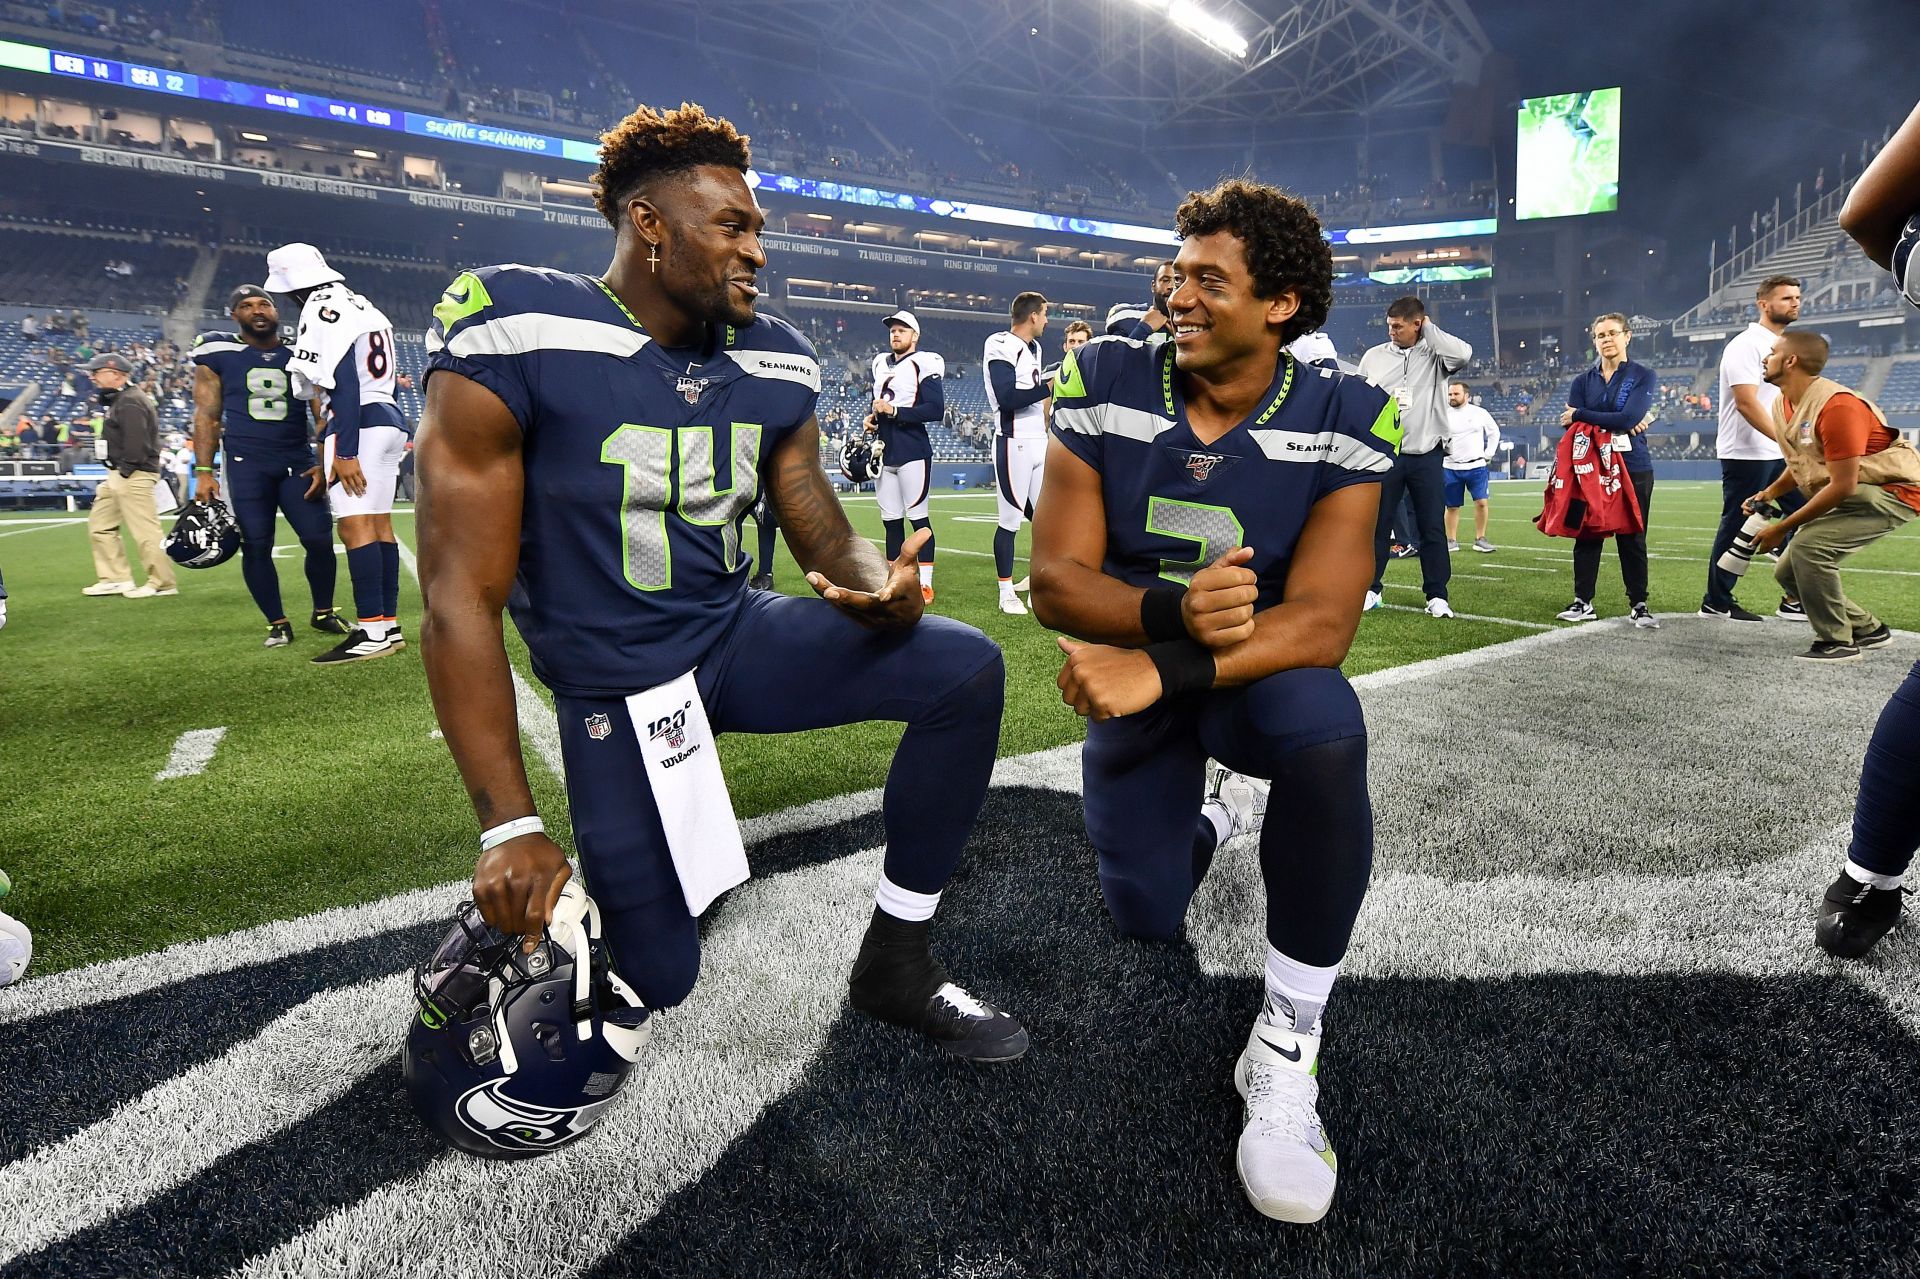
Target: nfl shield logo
(691, 388)
(1200, 465)
(676, 738)
(598, 727)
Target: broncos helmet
(514, 1054)
(861, 457)
(204, 535)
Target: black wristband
(1184, 666)
(1160, 613)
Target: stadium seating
(47, 267)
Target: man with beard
(241, 393)
(1750, 459)
(590, 447)
(1127, 320)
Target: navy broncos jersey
(640, 461)
(1173, 504)
(258, 413)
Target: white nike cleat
(1372, 602)
(107, 588)
(16, 949)
(1437, 607)
(1244, 798)
(1010, 603)
(1287, 1167)
(148, 591)
(1024, 584)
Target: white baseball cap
(293, 267)
(906, 318)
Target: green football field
(329, 787)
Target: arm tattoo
(816, 526)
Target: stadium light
(1216, 33)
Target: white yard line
(192, 752)
(1470, 617)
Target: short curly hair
(650, 144)
(1285, 249)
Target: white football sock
(1216, 814)
(1861, 875)
(376, 630)
(926, 575)
(904, 904)
(1303, 988)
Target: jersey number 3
(267, 395)
(1214, 530)
(651, 456)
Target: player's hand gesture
(516, 884)
(1100, 681)
(1218, 606)
(898, 603)
(348, 475)
(882, 408)
(316, 483)
(206, 487)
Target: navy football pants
(1145, 775)
(255, 489)
(1886, 817)
(787, 665)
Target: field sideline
(327, 788)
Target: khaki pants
(127, 500)
(1809, 569)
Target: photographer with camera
(1862, 481)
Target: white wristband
(511, 830)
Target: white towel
(695, 810)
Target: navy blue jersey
(258, 412)
(1173, 504)
(640, 462)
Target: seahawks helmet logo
(511, 1124)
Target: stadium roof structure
(1305, 59)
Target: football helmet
(204, 535)
(516, 1053)
(861, 457)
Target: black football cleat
(1855, 916)
(279, 635)
(329, 622)
(896, 993)
(358, 647)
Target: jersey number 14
(651, 457)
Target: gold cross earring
(653, 257)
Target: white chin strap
(575, 926)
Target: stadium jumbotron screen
(1567, 159)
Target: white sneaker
(1244, 798)
(1643, 618)
(1483, 546)
(3, 614)
(1024, 584)
(1437, 607)
(107, 588)
(1010, 603)
(1578, 611)
(16, 949)
(1287, 1166)
(148, 591)
(1452, 547)
(1373, 602)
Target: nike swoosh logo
(1293, 1055)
